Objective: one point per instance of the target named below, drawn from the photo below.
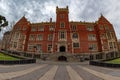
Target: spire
(24, 15)
(101, 14)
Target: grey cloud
(79, 10)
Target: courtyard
(58, 71)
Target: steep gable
(103, 20)
(22, 21)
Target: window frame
(91, 37)
(90, 28)
(41, 28)
(62, 24)
(62, 35)
(39, 37)
(75, 37)
(50, 37)
(76, 46)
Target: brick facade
(63, 35)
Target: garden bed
(104, 63)
(9, 59)
(114, 61)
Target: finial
(24, 14)
(67, 6)
(101, 14)
(57, 7)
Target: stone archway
(62, 58)
(62, 49)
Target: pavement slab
(73, 74)
(101, 75)
(84, 74)
(62, 73)
(16, 68)
(50, 74)
(35, 75)
(10, 75)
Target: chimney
(50, 19)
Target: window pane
(30, 47)
(90, 28)
(108, 35)
(62, 35)
(73, 27)
(93, 46)
(24, 28)
(75, 35)
(40, 37)
(51, 28)
(50, 37)
(75, 45)
(101, 27)
(92, 37)
(33, 28)
(39, 47)
(103, 36)
(49, 47)
(111, 45)
(62, 25)
(15, 44)
(106, 27)
(41, 28)
(62, 16)
(32, 37)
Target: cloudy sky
(79, 10)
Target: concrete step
(70, 57)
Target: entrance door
(62, 58)
(62, 49)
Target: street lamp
(90, 48)
(34, 50)
(41, 53)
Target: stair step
(70, 57)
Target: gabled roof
(102, 19)
(22, 20)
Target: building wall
(91, 37)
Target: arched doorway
(62, 58)
(62, 49)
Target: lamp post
(41, 53)
(90, 48)
(34, 50)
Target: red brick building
(73, 37)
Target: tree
(3, 22)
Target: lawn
(115, 61)
(7, 57)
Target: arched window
(75, 36)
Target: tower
(62, 29)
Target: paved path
(58, 71)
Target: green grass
(7, 57)
(115, 61)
